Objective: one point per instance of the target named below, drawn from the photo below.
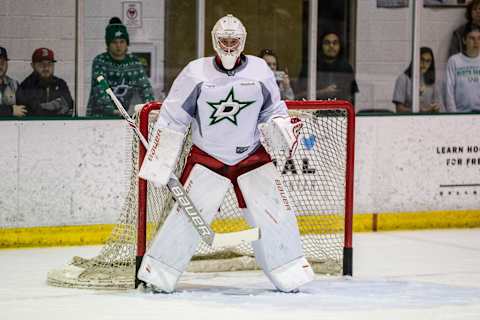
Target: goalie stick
(201, 226)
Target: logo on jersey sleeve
(228, 109)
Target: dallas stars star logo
(227, 109)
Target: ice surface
(397, 275)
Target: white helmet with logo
(228, 38)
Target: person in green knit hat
(123, 72)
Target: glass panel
(25, 27)
(335, 60)
(383, 51)
(375, 39)
(274, 25)
(123, 41)
(443, 26)
(180, 37)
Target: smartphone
(279, 75)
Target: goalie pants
(253, 161)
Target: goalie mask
(228, 38)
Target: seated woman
(282, 78)
(430, 98)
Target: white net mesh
(315, 179)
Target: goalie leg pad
(161, 276)
(292, 275)
(279, 250)
(176, 241)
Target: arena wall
(72, 176)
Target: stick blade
(233, 239)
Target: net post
(349, 179)
(142, 190)
(349, 174)
(347, 261)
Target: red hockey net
(319, 179)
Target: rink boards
(69, 178)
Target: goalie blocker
(162, 156)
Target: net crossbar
(319, 179)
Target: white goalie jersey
(224, 107)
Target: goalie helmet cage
(319, 179)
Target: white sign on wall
(417, 163)
(132, 14)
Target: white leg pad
(292, 275)
(279, 250)
(176, 241)
(161, 276)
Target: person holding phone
(282, 78)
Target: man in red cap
(8, 87)
(41, 92)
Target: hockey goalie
(233, 105)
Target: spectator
(123, 71)
(335, 76)
(41, 92)
(472, 14)
(8, 87)
(430, 96)
(282, 78)
(463, 74)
